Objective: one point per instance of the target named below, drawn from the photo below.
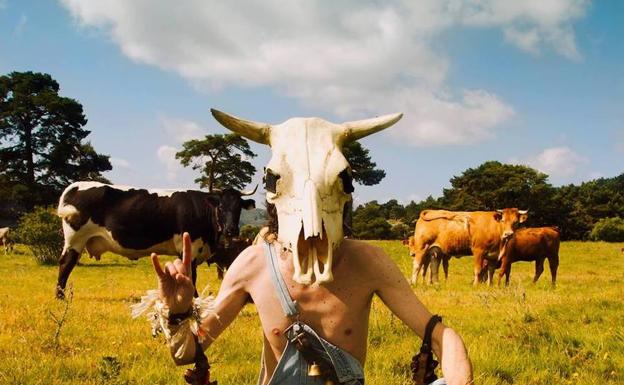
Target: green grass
(523, 334)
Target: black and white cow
(136, 222)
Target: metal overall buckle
(317, 366)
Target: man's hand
(174, 282)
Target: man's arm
(396, 293)
(176, 290)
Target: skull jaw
(313, 258)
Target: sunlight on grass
(523, 334)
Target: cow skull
(308, 180)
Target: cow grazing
(136, 222)
(531, 244)
(432, 257)
(226, 254)
(5, 238)
(458, 233)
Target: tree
(42, 135)
(494, 185)
(609, 230)
(362, 167)
(580, 207)
(369, 222)
(221, 159)
(363, 171)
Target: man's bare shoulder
(248, 262)
(371, 262)
(361, 251)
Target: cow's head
(510, 218)
(309, 181)
(230, 205)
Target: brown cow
(479, 233)
(531, 244)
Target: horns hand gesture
(174, 281)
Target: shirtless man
(311, 278)
(337, 311)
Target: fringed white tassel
(157, 313)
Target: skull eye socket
(270, 180)
(347, 181)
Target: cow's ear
(498, 216)
(249, 204)
(523, 217)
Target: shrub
(401, 231)
(609, 230)
(377, 228)
(249, 231)
(41, 231)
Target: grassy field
(523, 334)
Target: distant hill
(256, 217)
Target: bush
(401, 231)
(249, 231)
(609, 230)
(377, 228)
(41, 231)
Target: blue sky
(534, 82)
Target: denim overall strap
(288, 305)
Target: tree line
(575, 209)
(44, 148)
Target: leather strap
(426, 345)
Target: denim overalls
(292, 368)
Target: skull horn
(358, 129)
(247, 193)
(258, 132)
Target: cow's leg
(539, 268)
(477, 265)
(553, 263)
(426, 263)
(220, 273)
(68, 260)
(445, 265)
(505, 269)
(417, 264)
(491, 269)
(435, 267)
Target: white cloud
(18, 30)
(166, 155)
(178, 131)
(120, 163)
(181, 130)
(558, 162)
(352, 58)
